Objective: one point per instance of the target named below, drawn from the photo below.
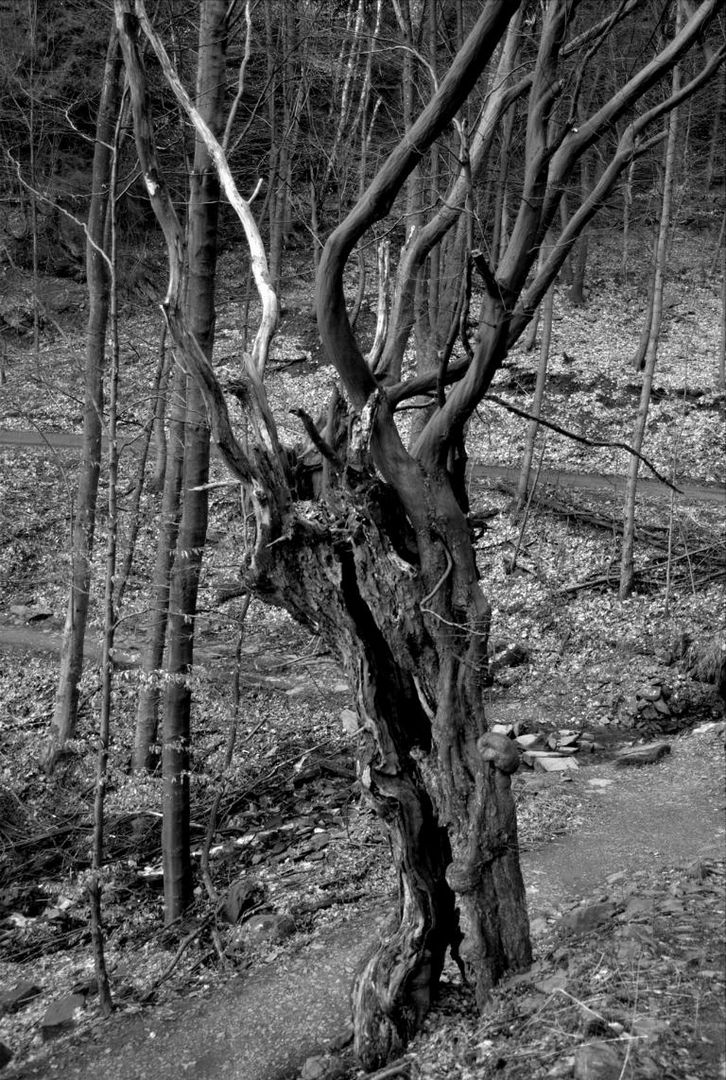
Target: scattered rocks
(18, 996)
(651, 701)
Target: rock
(528, 742)
(584, 919)
(315, 1068)
(566, 739)
(61, 1015)
(269, 927)
(502, 729)
(6, 1055)
(18, 996)
(649, 693)
(552, 983)
(549, 763)
(642, 755)
(322, 1067)
(241, 896)
(597, 1061)
(538, 926)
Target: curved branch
(627, 150)
(258, 258)
(163, 207)
(337, 336)
(499, 100)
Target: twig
(402, 1067)
(183, 946)
(525, 518)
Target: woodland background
(628, 344)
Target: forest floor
(292, 841)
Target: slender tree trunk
(146, 753)
(721, 383)
(533, 426)
(627, 568)
(71, 658)
(161, 387)
(202, 248)
(109, 624)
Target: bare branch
(337, 336)
(258, 257)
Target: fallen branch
(617, 445)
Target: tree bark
(200, 317)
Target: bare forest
(362, 566)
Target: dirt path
(691, 490)
(263, 1027)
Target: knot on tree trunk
(463, 877)
(499, 750)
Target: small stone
(582, 920)
(315, 1068)
(18, 996)
(555, 764)
(597, 1061)
(61, 1015)
(552, 983)
(648, 693)
(6, 1055)
(269, 927)
(322, 1068)
(529, 742)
